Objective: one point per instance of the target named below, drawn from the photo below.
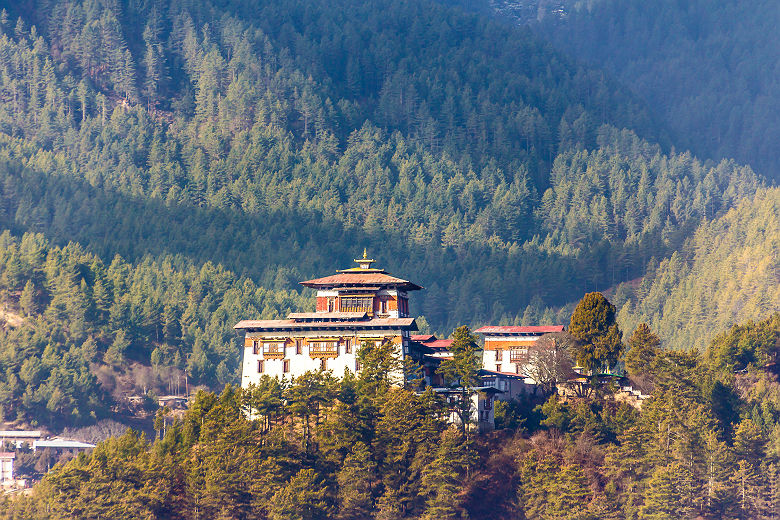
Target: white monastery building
(353, 306)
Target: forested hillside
(728, 272)
(705, 446)
(707, 68)
(88, 328)
(271, 141)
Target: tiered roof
(292, 324)
(363, 277)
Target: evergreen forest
(706, 445)
(168, 168)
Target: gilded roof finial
(365, 262)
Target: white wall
(303, 362)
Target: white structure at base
(7, 467)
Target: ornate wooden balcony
(321, 350)
(271, 351)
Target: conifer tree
(642, 349)
(593, 324)
(356, 480)
(305, 497)
(462, 372)
(445, 475)
(27, 300)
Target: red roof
(443, 344)
(422, 338)
(361, 277)
(401, 323)
(511, 329)
(510, 374)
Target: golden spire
(365, 262)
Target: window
(488, 403)
(298, 347)
(517, 368)
(357, 304)
(260, 366)
(286, 366)
(357, 366)
(255, 347)
(498, 368)
(499, 354)
(273, 350)
(323, 363)
(347, 346)
(323, 348)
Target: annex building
(506, 347)
(353, 306)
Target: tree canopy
(600, 340)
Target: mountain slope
(728, 272)
(707, 69)
(273, 141)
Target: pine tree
(462, 372)
(749, 442)
(355, 484)
(665, 496)
(305, 497)
(593, 324)
(443, 478)
(642, 349)
(27, 300)
(747, 484)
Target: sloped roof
(512, 329)
(358, 277)
(439, 344)
(486, 372)
(58, 443)
(422, 338)
(292, 324)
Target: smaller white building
(506, 347)
(7, 467)
(19, 437)
(481, 412)
(59, 444)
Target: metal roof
(361, 277)
(62, 444)
(401, 323)
(439, 344)
(486, 372)
(23, 434)
(512, 329)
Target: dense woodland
(223, 158)
(170, 167)
(707, 68)
(706, 445)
